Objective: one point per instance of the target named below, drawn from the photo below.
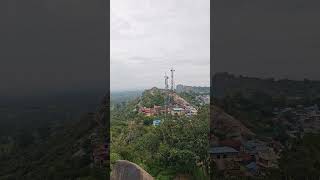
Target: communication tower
(172, 79)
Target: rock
(125, 170)
(221, 121)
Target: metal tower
(172, 79)
(166, 97)
(166, 81)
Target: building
(267, 159)
(147, 111)
(156, 122)
(223, 152)
(252, 168)
(177, 111)
(224, 157)
(156, 110)
(236, 144)
(193, 111)
(252, 147)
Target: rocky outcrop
(223, 122)
(179, 100)
(125, 170)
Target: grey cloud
(267, 38)
(162, 34)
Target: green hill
(66, 153)
(178, 146)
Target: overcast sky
(52, 45)
(149, 37)
(270, 38)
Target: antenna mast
(172, 79)
(166, 81)
(166, 97)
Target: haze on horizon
(269, 39)
(148, 38)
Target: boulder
(125, 170)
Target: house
(223, 152)
(156, 122)
(236, 144)
(147, 111)
(157, 109)
(246, 158)
(252, 147)
(267, 159)
(177, 111)
(252, 168)
(277, 146)
(193, 111)
(152, 111)
(224, 157)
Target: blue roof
(222, 149)
(251, 165)
(156, 122)
(250, 144)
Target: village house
(267, 159)
(244, 158)
(146, 111)
(192, 112)
(252, 169)
(223, 152)
(223, 155)
(156, 122)
(177, 111)
(156, 110)
(276, 146)
(252, 147)
(236, 144)
(299, 120)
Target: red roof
(236, 144)
(245, 157)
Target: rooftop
(177, 109)
(222, 149)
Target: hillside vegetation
(283, 111)
(177, 146)
(64, 151)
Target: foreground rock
(125, 170)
